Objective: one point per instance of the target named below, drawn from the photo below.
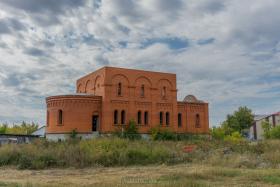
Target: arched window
(163, 93)
(60, 117)
(48, 118)
(139, 117)
(146, 118)
(116, 117)
(142, 92)
(119, 90)
(123, 117)
(161, 118)
(167, 118)
(179, 120)
(197, 121)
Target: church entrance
(94, 123)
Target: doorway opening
(94, 123)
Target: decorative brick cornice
(139, 103)
(119, 101)
(196, 108)
(75, 100)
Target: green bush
(234, 137)
(218, 133)
(73, 134)
(158, 134)
(270, 132)
(275, 132)
(131, 132)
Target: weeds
(123, 152)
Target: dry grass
(118, 162)
(161, 175)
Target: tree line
(23, 128)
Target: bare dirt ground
(161, 175)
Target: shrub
(270, 132)
(155, 133)
(73, 134)
(25, 162)
(274, 133)
(158, 134)
(131, 132)
(234, 137)
(218, 133)
(266, 129)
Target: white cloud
(50, 45)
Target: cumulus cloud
(224, 52)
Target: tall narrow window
(60, 117)
(123, 117)
(197, 121)
(167, 118)
(48, 118)
(161, 118)
(179, 120)
(146, 118)
(142, 92)
(163, 93)
(115, 117)
(139, 117)
(119, 90)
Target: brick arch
(164, 86)
(97, 81)
(79, 88)
(146, 93)
(98, 77)
(120, 78)
(165, 80)
(120, 75)
(96, 112)
(143, 77)
(87, 86)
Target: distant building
(16, 138)
(41, 132)
(256, 130)
(109, 98)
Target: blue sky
(224, 52)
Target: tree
(239, 120)
(3, 128)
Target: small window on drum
(60, 117)
(48, 118)
(197, 121)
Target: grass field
(159, 175)
(121, 162)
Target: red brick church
(110, 97)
